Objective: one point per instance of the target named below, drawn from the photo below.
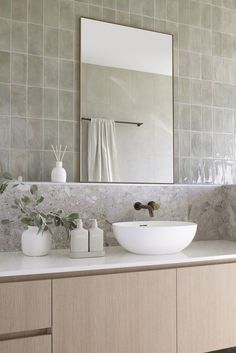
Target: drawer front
(25, 306)
(206, 308)
(117, 313)
(39, 344)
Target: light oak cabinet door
(206, 308)
(118, 313)
(40, 344)
(25, 306)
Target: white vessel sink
(154, 237)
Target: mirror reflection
(126, 118)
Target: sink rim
(155, 224)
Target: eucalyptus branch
(30, 212)
(5, 180)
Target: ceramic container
(34, 243)
(58, 174)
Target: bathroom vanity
(123, 303)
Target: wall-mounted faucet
(151, 207)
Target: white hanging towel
(102, 151)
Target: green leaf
(25, 199)
(3, 186)
(73, 226)
(73, 216)
(57, 221)
(27, 220)
(5, 221)
(17, 202)
(34, 189)
(41, 198)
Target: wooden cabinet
(40, 344)
(25, 306)
(206, 308)
(188, 310)
(117, 313)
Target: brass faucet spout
(151, 206)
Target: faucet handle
(154, 205)
(137, 206)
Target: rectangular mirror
(126, 104)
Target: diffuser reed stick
(58, 152)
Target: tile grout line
(10, 85)
(43, 95)
(27, 92)
(59, 71)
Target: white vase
(58, 173)
(34, 243)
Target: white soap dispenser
(95, 237)
(79, 239)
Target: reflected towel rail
(120, 122)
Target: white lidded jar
(79, 238)
(95, 237)
(58, 174)
(35, 243)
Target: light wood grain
(119, 313)
(25, 306)
(40, 344)
(206, 308)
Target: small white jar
(58, 174)
(34, 243)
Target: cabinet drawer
(117, 313)
(39, 344)
(25, 306)
(206, 308)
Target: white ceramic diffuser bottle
(58, 174)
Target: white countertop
(16, 264)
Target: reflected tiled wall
(39, 51)
(126, 95)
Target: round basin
(154, 237)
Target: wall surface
(39, 53)
(229, 197)
(114, 203)
(38, 85)
(205, 96)
(145, 153)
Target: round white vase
(58, 174)
(34, 243)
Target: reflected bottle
(58, 174)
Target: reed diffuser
(58, 174)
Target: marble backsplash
(205, 205)
(229, 195)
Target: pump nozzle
(94, 223)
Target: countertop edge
(110, 268)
